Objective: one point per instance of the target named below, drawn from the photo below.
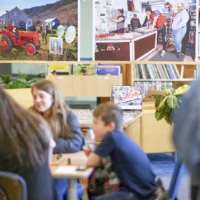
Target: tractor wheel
(30, 49)
(6, 44)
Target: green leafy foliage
(23, 81)
(167, 102)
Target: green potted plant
(23, 81)
(166, 101)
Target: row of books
(156, 71)
(153, 85)
(86, 69)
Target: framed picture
(56, 46)
(126, 27)
(127, 97)
(39, 30)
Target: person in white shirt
(179, 27)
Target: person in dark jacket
(25, 146)
(66, 130)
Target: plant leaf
(181, 90)
(158, 100)
(172, 102)
(169, 91)
(159, 115)
(162, 103)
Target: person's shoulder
(116, 134)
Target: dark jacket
(76, 142)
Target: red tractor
(27, 39)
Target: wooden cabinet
(133, 131)
(156, 136)
(75, 85)
(21, 96)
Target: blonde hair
(23, 131)
(109, 112)
(58, 114)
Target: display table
(126, 46)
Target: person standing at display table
(135, 22)
(155, 19)
(26, 146)
(119, 21)
(49, 103)
(179, 27)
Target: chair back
(176, 179)
(12, 186)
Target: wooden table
(66, 170)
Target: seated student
(49, 103)
(25, 144)
(130, 163)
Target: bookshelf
(186, 72)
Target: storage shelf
(22, 96)
(77, 85)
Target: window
(15, 13)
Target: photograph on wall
(39, 30)
(127, 97)
(56, 46)
(159, 30)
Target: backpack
(186, 132)
(103, 180)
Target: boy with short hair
(130, 163)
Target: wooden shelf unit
(153, 136)
(22, 96)
(75, 85)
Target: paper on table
(66, 169)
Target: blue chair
(176, 179)
(12, 186)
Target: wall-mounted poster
(39, 30)
(159, 30)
